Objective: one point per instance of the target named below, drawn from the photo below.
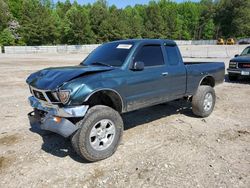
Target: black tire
(232, 77)
(81, 139)
(198, 101)
(74, 142)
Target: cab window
(172, 55)
(150, 55)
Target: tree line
(41, 22)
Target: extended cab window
(172, 55)
(150, 55)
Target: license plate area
(245, 73)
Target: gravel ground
(163, 146)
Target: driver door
(146, 87)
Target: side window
(172, 55)
(150, 55)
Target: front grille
(244, 65)
(44, 95)
(39, 95)
(51, 97)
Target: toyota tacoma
(84, 102)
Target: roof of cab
(166, 41)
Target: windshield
(109, 54)
(246, 52)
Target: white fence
(196, 42)
(85, 49)
(199, 51)
(210, 51)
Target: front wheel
(99, 134)
(203, 101)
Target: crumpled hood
(241, 59)
(51, 78)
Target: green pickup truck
(84, 102)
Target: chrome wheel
(208, 102)
(102, 134)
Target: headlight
(232, 64)
(63, 96)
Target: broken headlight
(63, 96)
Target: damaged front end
(52, 100)
(58, 95)
(54, 118)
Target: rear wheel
(99, 134)
(232, 77)
(203, 101)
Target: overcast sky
(121, 3)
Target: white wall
(86, 49)
(199, 51)
(211, 51)
(196, 42)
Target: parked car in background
(239, 65)
(220, 41)
(244, 41)
(230, 41)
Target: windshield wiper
(101, 63)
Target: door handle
(164, 73)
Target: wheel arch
(207, 80)
(106, 96)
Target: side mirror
(138, 66)
(236, 55)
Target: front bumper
(55, 118)
(239, 71)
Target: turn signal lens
(57, 119)
(63, 95)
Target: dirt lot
(163, 146)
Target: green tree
(189, 13)
(114, 27)
(134, 22)
(233, 18)
(15, 7)
(170, 17)
(77, 26)
(241, 21)
(6, 38)
(37, 23)
(98, 14)
(209, 30)
(153, 22)
(178, 32)
(206, 21)
(62, 8)
(5, 15)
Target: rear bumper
(55, 118)
(238, 71)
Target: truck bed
(196, 71)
